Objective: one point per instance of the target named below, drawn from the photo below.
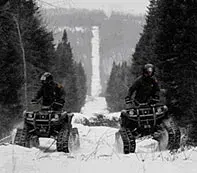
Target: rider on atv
(146, 115)
(146, 90)
(146, 87)
(49, 121)
(50, 92)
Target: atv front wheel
(169, 137)
(62, 140)
(128, 140)
(21, 137)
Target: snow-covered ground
(94, 105)
(98, 152)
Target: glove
(153, 100)
(60, 101)
(58, 104)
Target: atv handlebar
(35, 101)
(55, 105)
(152, 101)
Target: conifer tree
(117, 86)
(81, 85)
(37, 42)
(144, 51)
(176, 50)
(65, 72)
(21, 16)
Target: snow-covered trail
(96, 154)
(95, 84)
(94, 103)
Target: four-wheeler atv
(47, 123)
(147, 119)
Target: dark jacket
(145, 88)
(50, 93)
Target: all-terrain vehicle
(147, 119)
(46, 123)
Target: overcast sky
(132, 6)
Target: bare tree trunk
(24, 59)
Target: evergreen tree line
(117, 86)
(169, 41)
(26, 51)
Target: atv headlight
(30, 115)
(131, 112)
(159, 110)
(56, 116)
(165, 108)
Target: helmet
(148, 70)
(46, 78)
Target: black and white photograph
(98, 86)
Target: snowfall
(98, 151)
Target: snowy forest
(27, 50)
(168, 40)
(95, 58)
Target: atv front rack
(144, 112)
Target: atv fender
(66, 118)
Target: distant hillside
(119, 34)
